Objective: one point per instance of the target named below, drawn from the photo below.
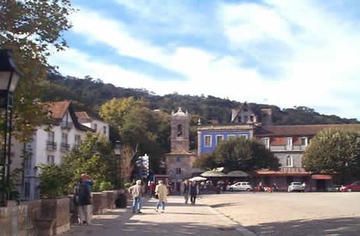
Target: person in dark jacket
(193, 192)
(82, 195)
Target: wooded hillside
(89, 94)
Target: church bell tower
(180, 125)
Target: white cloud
(324, 58)
(322, 63)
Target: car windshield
(296, 183)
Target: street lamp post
(117, 150)
(9, 77)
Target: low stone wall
(110, 198)
(13, 220)
(99, 202)
(34, 211)
(47, 216)
(54, 217)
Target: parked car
(240, 186)
(334, 188)
(296, 186)
(351, 187)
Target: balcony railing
(64, 147)
(285, 148)
(50, 146)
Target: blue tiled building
(210, 136)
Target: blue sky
(285, 53)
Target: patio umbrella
(212, 173)
(237, 173)
(197, 178)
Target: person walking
(161, 191)
(186, 191)
(193, 192)
(89, 183)
(82, 195)
(136, 191)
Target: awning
(321, 177)
(212, 173)
(283, 171)
(237, 173)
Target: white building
(50, 143)
(98, 126)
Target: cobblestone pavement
(297, 214)
(178, 219)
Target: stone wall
(47, 216)
(110, 199)
(13, 220)
(54, 217)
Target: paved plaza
(228, 214)
(291, 213)
(178, 219)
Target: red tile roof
(58, 109)
(300, 130)
(82, 116)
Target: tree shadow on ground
(349, 226)
(124, 222)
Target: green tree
(94, 157)
(334, 151)
(206, 161)
(54, 180)
(141, 129)
(243, 154)
(115, 110)
(32, 29)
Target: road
(291, 213)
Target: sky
(284, 53)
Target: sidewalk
(178, 219)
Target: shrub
(53, 181)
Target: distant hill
(89, 94)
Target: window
(95, 127)
(179, 130)
(177, 159)
(207, 140)
(289, 143)
(239, 119)
(64, 138)
(178, 171)
(104, 130)
(27, 190)
(266, 142)
(246, 119)
(77, 140)
(289, 161)
(219, 138)
(50, 160)
(252, 118)
(231, 136)
(51, 136)
(304, 141)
